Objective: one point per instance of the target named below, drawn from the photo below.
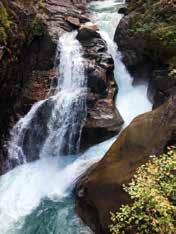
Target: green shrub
(153, 194)
(154, 21)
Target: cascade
(69, 113)
(37, 197)
(63, 114)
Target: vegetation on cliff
(21, 27)
(153, 194)
(18, 27)
(147, 38)
(155, 22)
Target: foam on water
(69, 113)
(22, 189)
(15, 150)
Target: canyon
(87, 95)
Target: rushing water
(56, 123)
(69, 112)
(36, 198)
(131, 100)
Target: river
(37, 197)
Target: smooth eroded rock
(100, 190)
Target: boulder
(100, 190)
(87, 32)
(89, 25)
(73, 21)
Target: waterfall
(15, 146)
(36, 197)
(69, 113)
(63, 115)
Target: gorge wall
(146, 37)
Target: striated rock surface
(100, 190)
(29, 31)
(146, 37)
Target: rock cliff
(146, 36)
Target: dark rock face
(161, 86)
(103, 120)
(100, 190)
(132, 48)
(25, 70)
(123, 10)
(146, 48)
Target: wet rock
(87, 32)
(100, 190)
(131, 47)
(123, 10)
(37, 131)
(103, 119)
(74, 21)
(161, 87)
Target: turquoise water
(54, 217)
